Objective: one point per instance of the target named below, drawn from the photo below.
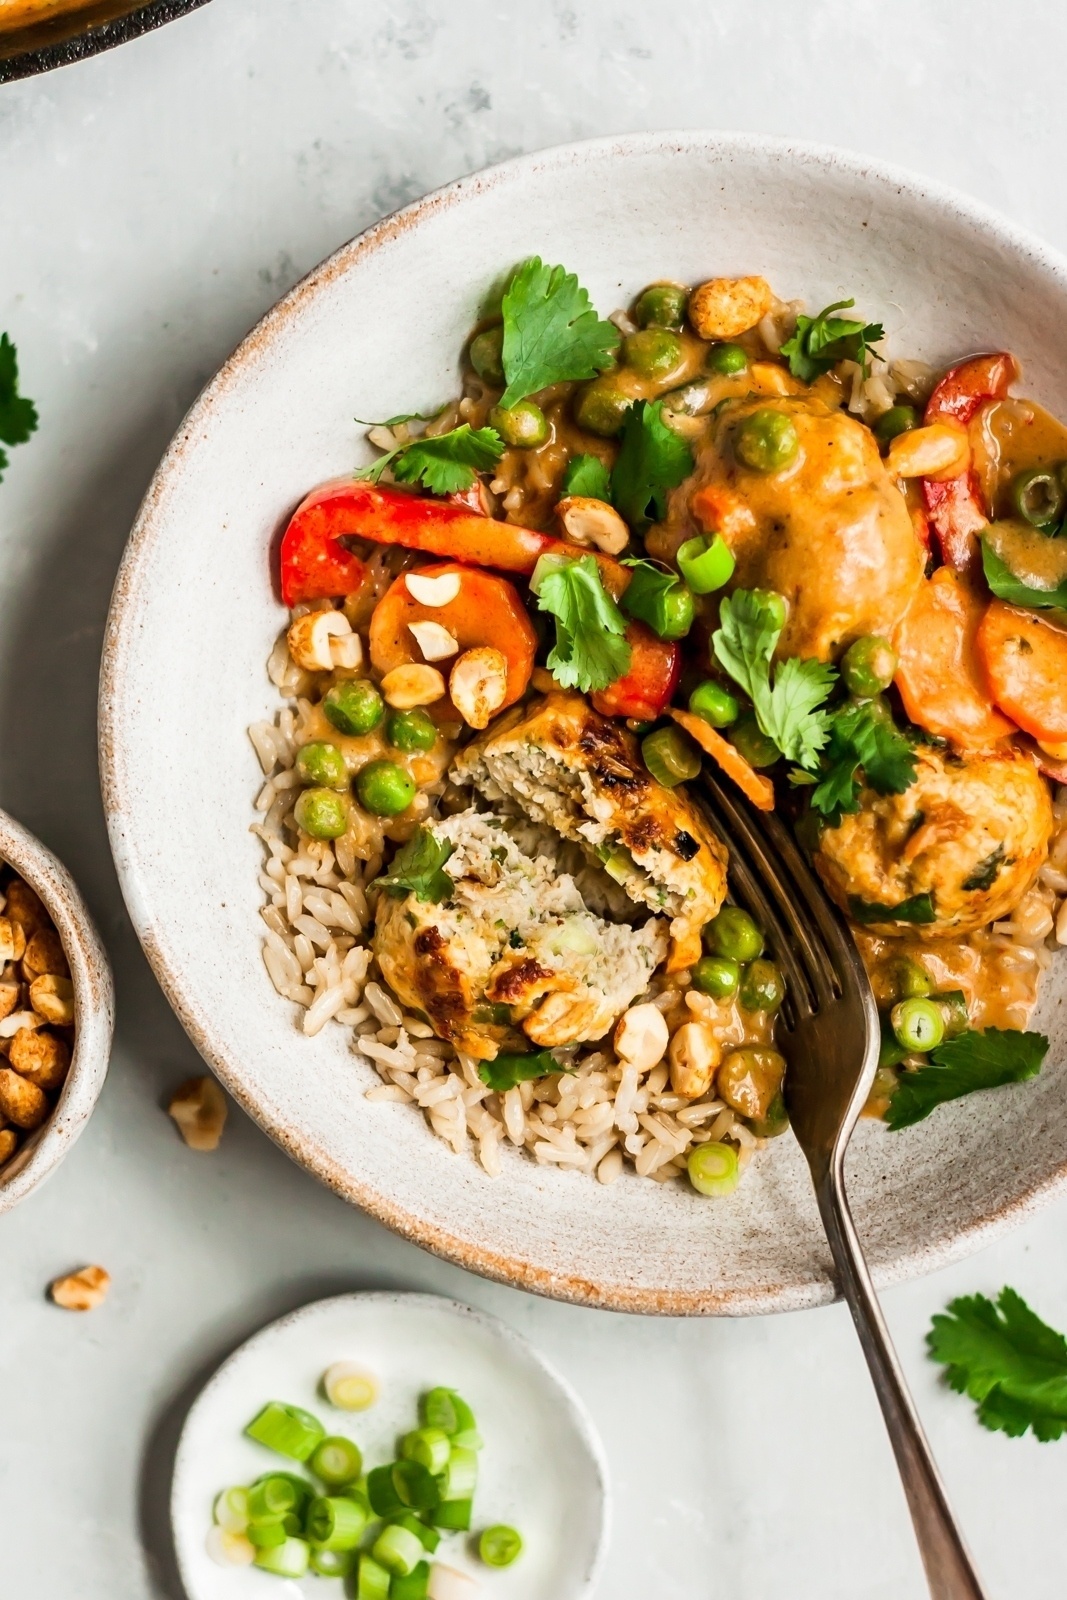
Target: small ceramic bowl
(94, 1012)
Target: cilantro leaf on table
(973, 1060)
(820, 342)
(405, 416)
(787, 704)
(418, 869)
(444, 463)
(652, 459)
(1001, 1355)
(505, 1071)
(590, 651)
(862, 741)
(587, 475)
(552, 333)
(18, 416)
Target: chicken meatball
(830, 530)
(955, 851)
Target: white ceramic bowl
(542, 1468)
(376, 330)
(94, 1008)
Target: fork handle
(950, 1573)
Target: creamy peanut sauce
(1032, 556)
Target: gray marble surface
(153, 203)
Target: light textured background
(153, 203)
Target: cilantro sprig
(788, 702)
(587, 475)
(652, 459)
(444, 463)
(1002, 1356)
(418, 869)
(820, 342)
(18, 416)
(590, 651)
(971, 1061)
(552, 333)
(864, 745)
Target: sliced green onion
(416, 1586)
(231, 1510)
(954, 1011)
(335, 1523)
(398, 1549)
(706, 564)
(441, 1408)
(271, 1496)
(332, 1563)
(430, 1447)
(229, 1549)
(461, 1475)
(270, 1532)
(288, 1560)
(669, 757)
(1038, 496)
(430, 1539)
(918, 1024)
(289, 1430)
(372, 1581)
(500, 1545)
(350, 1387)
(713, 1169)
(336, 1461)
(416, 1487)
(381, 1492)
(453, 1515)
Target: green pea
(734, 934)
(918, 1024)
(384, 789)
(354, 706)
(322, 763)
(869, 665)
(524, 425)
(715, 704)
(895, 421)
(662, 305)
(654, 352)
(762, 987)
(323, 813)
(601, 407)
(774, 1121)
(757, 749)
(1038, 496)
(487, 355)
(774, 604)
(726, 360)
(717, 976)
(411, 730)
(766, 441)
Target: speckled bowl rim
(94, 1010)
(514, 1269)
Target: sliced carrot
(486, 611)
(1026, 661)
(760, 790)
(940, 677)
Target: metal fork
(829, 1035)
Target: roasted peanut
(9, 1143)
(724, 308)
(23, 905)
(83, 1290)
(9, 998)
(415, 685)
(21, 1101)
(641, 1036)
(52, 998)
(694, 1056)
(439, 591)
(41, 1057)
(12, 940)
(479, 684)
(433, 639)
(322, 640)
(198, 1106)
(587, 521)
(44, 953)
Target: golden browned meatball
(960, 846)
(830, 531)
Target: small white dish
(542, 1469)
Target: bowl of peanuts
(56, 1012)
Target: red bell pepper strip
(313, 565)
(955, 506)
(645, 691)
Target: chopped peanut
(9, 998)
(415, 685)
(198, 1106)
(434, 640)
(940, 450)
(83, 1290)
(694, 1055)
(479, 684)
(587, 521)
(724, 308)
(24, 906)
(322, 640)
(41, 1057)
(44, 953)
(52, 998)
(641, 1036)
(15, 1021)
(432, 592)
(21, 1101)
(9, 1143)
(12, 940)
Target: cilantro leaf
(1001, 1355)
(820, 342)
(18, 416)
(589, 652)
(505, 1071)
(971, 1061)
(589, 476)
(552, 334)
(418, 869)
(443, 463)
(405, 416)
(652, 459)
(787, 707)
(862, 740)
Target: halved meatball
(514, 947)
(573, 770)
(969, 834)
